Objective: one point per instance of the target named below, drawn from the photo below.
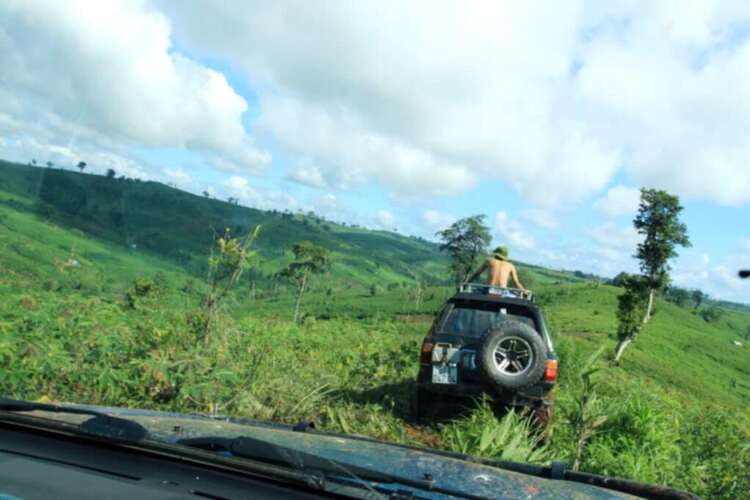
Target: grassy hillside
(178, 226)
(155, 220)
(678, 350)
(75, 327)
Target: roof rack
(495, 290)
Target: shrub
(510, 438)
(711, 314)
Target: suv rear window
(474, 319)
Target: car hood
(442, 471)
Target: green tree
(620, 279)
(658, 221)
(111, 173)
(309, 259)
(81, 165)
(466, 241)
(631, 305)
(677, 295)
(711, 314)
(697, 297)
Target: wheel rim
(513, 356)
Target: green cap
(500, 253)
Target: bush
(140, 290)
(509, 438)
(713, 441)
(620, 279)
(711, 314)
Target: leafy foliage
(658, 221)
(620, 279)
(510, 438)
(466, 241)
(309, 259)
(586, 414)
(225, 267)
(630, 307)
(678, 296)
(697, 297)
(711, 314)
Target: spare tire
(512, 356)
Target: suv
(488, 340)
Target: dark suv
(492, 341)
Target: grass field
(676, 411)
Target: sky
(546, 117)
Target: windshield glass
(275, 210)
(474, 322)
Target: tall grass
(512, 437)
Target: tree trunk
(253, 293)
(621, 345)
(647, 316)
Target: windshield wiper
(101, 425)
(256, 449)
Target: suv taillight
(550, 371)
(426, 357)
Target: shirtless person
(499, 270)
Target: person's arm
(514, 275)
(479, 271)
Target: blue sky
(545, 118)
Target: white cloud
(385, 219)
(717, 277)
(509, 232)
(671, 86)
(179, 177)
(553, 99)
(354, 155)
(436, 221)
(240, 188)
(619, 200)
(540, 218)
(100, 162)
(326, 202)
(97, 73)
(308, 174)
(368, 115)
(610, 235)
(612, 250)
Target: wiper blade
(257, 449)
(101, 425)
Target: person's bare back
(499, 270)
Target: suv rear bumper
(534, 396)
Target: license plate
(444, 374)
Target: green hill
(159, 221)
(174, 229)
